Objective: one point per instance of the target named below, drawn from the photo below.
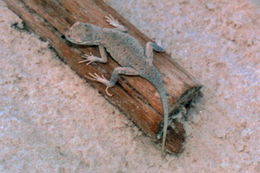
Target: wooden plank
(134, 96)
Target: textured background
(52, 121)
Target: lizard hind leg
(114, 77)
(150, 46)
(100, 79)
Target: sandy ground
(52, 121)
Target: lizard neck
(96, 38)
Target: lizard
(133, 59)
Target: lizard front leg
(114, 77)
(112, 21)
(88, 59)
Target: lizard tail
(154, 77)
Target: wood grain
(134, 96)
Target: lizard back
(123, 48)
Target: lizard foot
(101, 79)
(157, 45)
(88, 59)
(114, 22)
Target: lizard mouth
(70, 38)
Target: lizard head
(82, 33)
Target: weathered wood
(134, 96)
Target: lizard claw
(101, 79)
(107, 92)
(88, 59)
(159, 42)
(111, 20)
(91, 76)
